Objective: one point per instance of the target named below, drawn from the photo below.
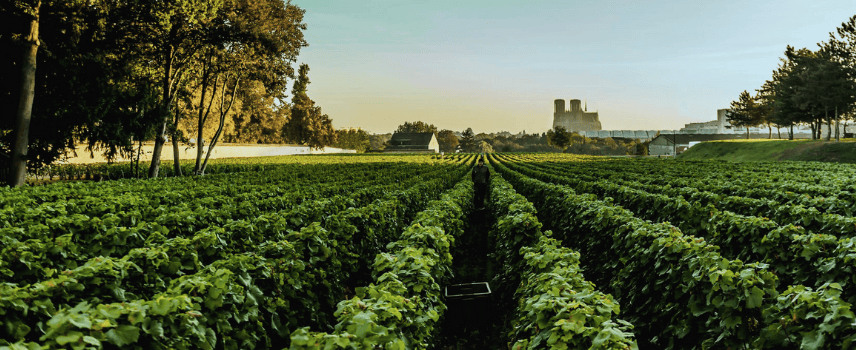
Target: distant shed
(413, 142)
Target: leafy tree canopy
(468, 142)
(559, 137)
(416, 126)
(307, 125)
(356, 139)
(448, 141)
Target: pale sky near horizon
(498, 65)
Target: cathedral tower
(575, 119)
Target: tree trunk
(159, 138)
(206, 75)
(222, 121)
(137, 162)
(779, 131)
(18, 161)
(747, 132)
(837, 139)
(176, 155)
(769, 132)
(828, 125)
(791, 133)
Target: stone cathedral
(576, 118)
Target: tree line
(115, 73)
(808, 88)
(557, 139)
(447, 139)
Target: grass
(839, 152)
(774, 150)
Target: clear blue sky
(498, 65)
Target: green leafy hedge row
(783, 181)
(170, 191)
(829, 215)
(329, 255)
(401, 309)
(797, 257)
(141, 200)
(26, 260)
(558, 308)
(67, 241)
(216, 166)
(677, 290)
(295, 277)
(220, 304)
(829, 191)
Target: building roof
(410, 140)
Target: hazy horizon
(499, 66)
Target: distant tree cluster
(113, 74)
(356, 139)
(416, 126)
(306, 125)
(379, 141)
(468, 142)
(557, 139)
(572, 142)
(808, 87)
(524, 143)
(448, 141)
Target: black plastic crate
(469, 305)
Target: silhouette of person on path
(481, 180)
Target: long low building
(413, 142)
(669, 144)
(720, 126)
(644, 135)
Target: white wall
(220, 151)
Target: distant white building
(413, 142)
(643, 135)
(722, 126)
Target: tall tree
(255, 42)
(307, 125)
(802, 88)
(18, 158)
(166, 36)
(86, 88)
(744, 112)
(468, 142)
(222, 110)
(447, 140)
(110, 70)
(838, 74)
(227, 70)
(417, 126)
(559, 137)
(784, 87)
(768, 100)
(485, 147)
(764, 104)
(259, 119)
(355, 139)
